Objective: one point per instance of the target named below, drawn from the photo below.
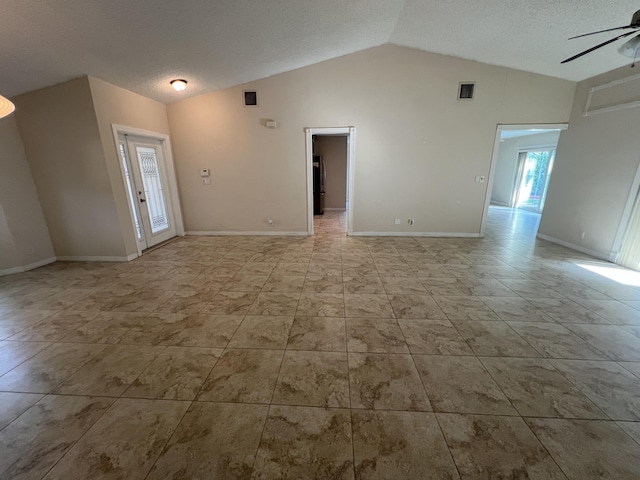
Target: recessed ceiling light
(178, 84)
(6, 107)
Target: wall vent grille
(465, 90)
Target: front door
(146, 175)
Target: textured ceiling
(142, 44)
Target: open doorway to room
(521, 168)
(330, 154)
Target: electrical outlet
(480, 178)
(206, 181)
(397, 221)
(270, 222)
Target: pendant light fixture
(6, 107)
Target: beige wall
(334, 153)
(24, 236)
(115, 105)
(507, 163)
(418, 148)
(60, 133)
(596, 162)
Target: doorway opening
(521, 168)
(330, 160)
(150, 184)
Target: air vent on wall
(465, 90)
(250, 98)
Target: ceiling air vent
(465, 90)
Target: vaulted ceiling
(142, 44)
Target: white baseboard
(340, 209)
(133, 256)
(91, 258)
(26, 268)
(499, 204)
(573, 246)
(416, 234)
(220, 233)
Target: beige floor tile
(177, 373)
(14, 405)
(275, 304)
(465, 308)
(376, 335)
(616, 342)
(110, 372)
(186, 301)
(416, 306)
(124, 443)
(284, 283)
(36, 440)
(367, 305)
(461, 385)
(563, 310)
(323, 284)
(153, 328)
(44, 371)
(321, 305)
(243, 376)
(55, 327)
(314, 379)
(213, 440)
(262, 331)
(494, 339)
(589, 449)
(107, 327)
(555, 341)
(632, 429)
(403, 285)
(496, 447)
(13, 354)
(433, 337)
(537, 389)
(363, 285)
(205, 330)
(515, 309)
(230, 303)
(612, 311)
(317, 333)
(305, 442)
(607, 384)
(386, 381)
(407, 445)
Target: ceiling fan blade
(598, 46)
(602, 31)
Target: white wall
(334, 153)
(507, 163)
(24, 236)
(417, 147)
(115, 105)
(595, 165)
(60, 134)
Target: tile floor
(326, 357)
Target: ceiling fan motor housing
(635, 20)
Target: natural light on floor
(615, 273)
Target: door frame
(494, 159)
(172, 182)
(634, 192)
(350, 133)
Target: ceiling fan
(630, 49)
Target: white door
(146, 177)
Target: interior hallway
(324, 357)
